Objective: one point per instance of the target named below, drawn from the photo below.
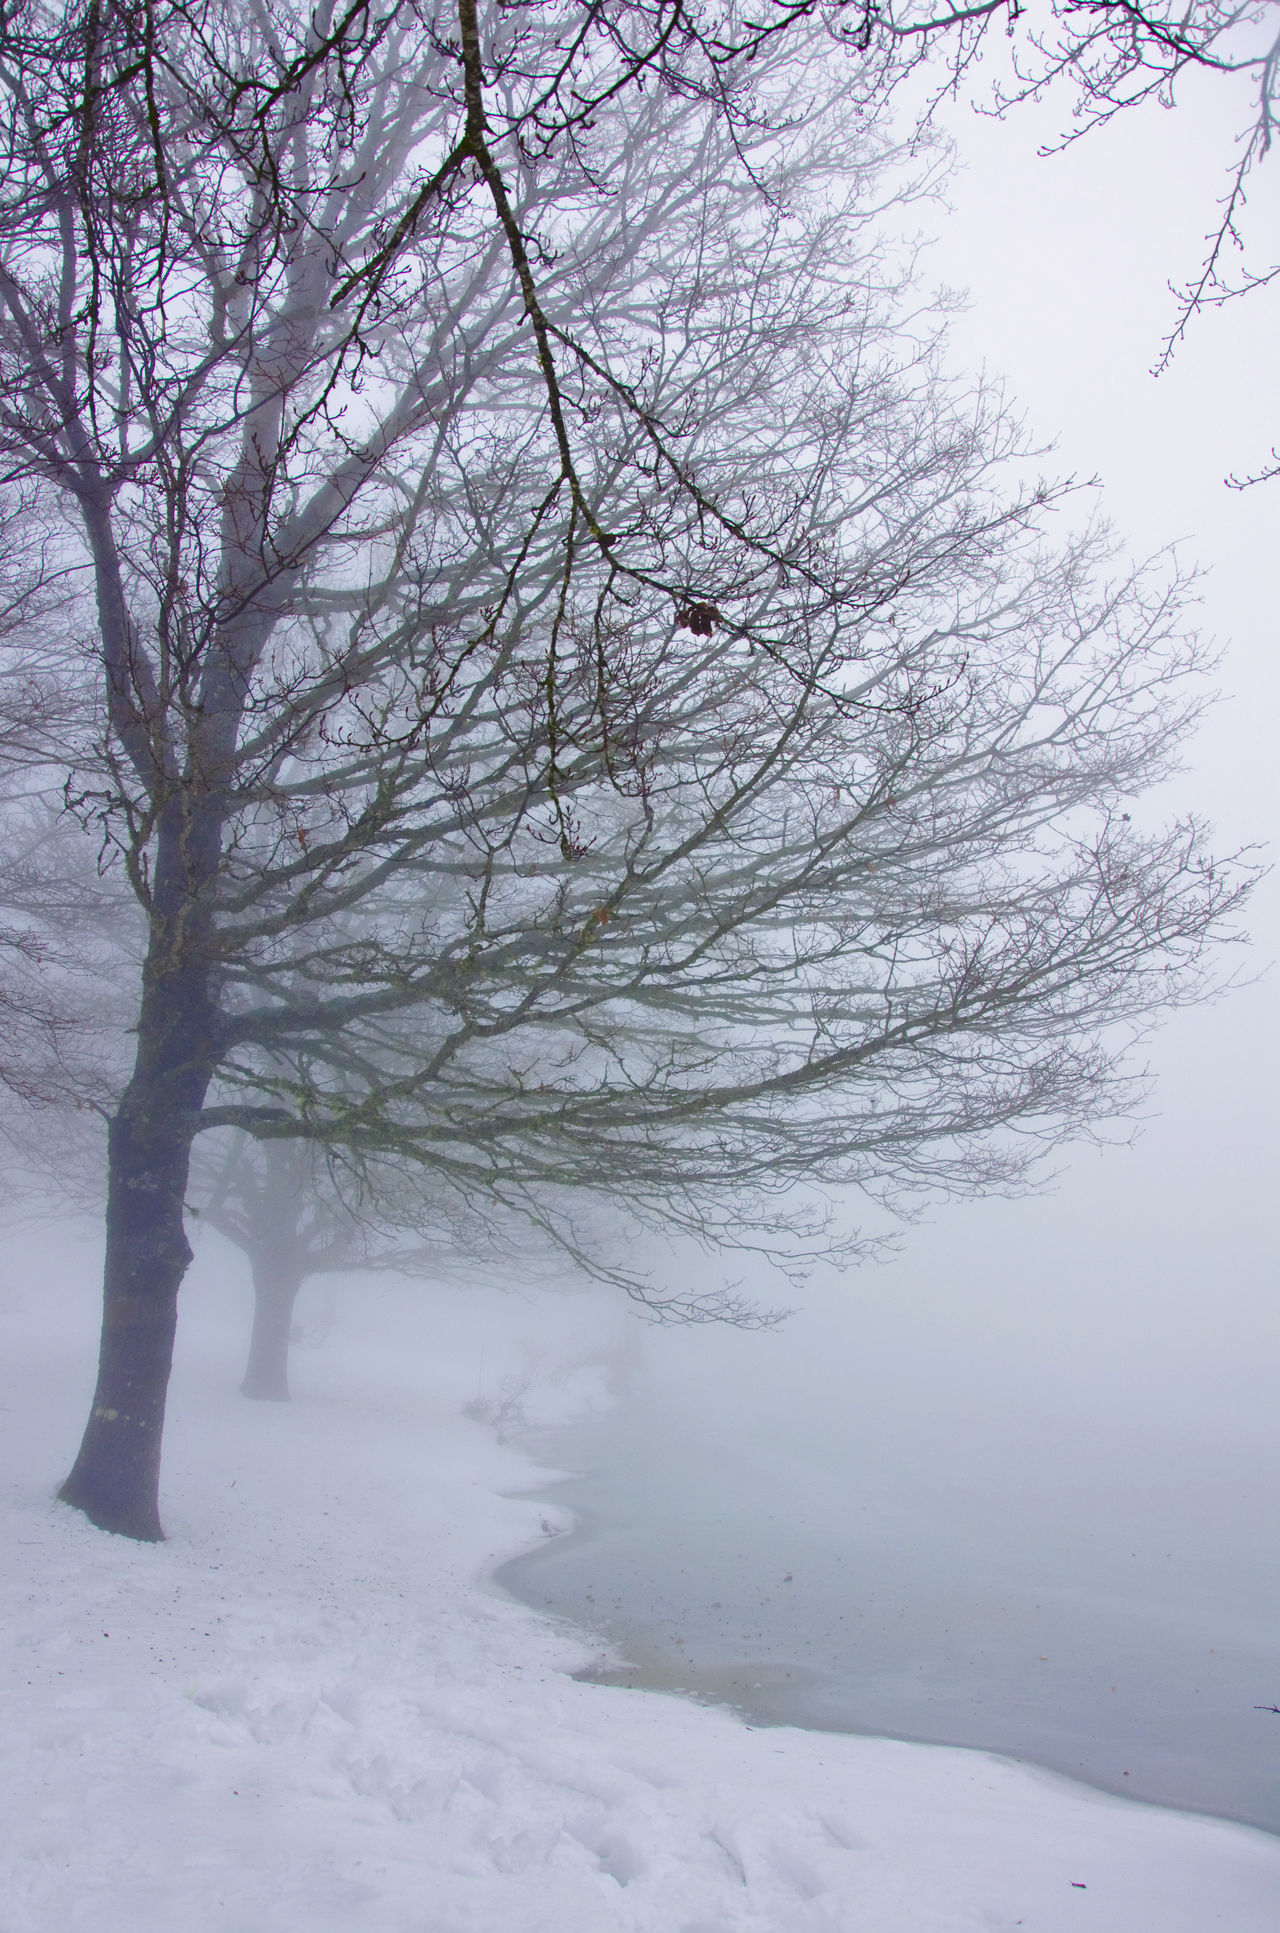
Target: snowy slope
(305, 1712)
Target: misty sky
(1067, 260)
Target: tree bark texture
(275, 1290)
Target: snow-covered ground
(306, 1711)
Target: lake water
(928, 1542)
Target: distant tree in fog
(590, 719)
(53, 907)
(271, 1203)
(282, 1205)
(52, 1054)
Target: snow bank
(305, 1712)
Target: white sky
(1067, 261)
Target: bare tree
(283, 1206)
(271, 1201)
(586, 713)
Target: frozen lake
(1061, 1548)
(976, 1604)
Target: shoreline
(631, 1656)
(718, 1687)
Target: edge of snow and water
(308, 1712)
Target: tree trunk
(275, 1290)
(115, 1478)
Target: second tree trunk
(275, 1290)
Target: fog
(1017, 1486)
